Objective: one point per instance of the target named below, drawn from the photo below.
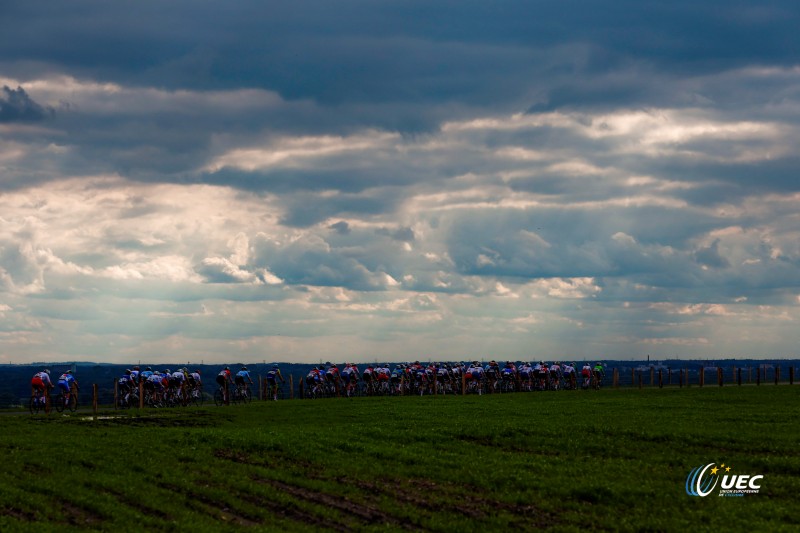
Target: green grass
(613, 460)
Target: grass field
(608, 460)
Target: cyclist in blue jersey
(66, 382)
(243, 378)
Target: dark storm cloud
(391, 51)
(17, 106)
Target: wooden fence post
(640, 380)
(116, 394)
(660, 379)
(291, 387)
(633, 377)
(749, 374)
(758, 375)
(262, 389)
(680, 378)
(300, 391)
(686, 375)
(702, 376)
(141, 393)
(791, 375)
(94, 400)
(777, 374)
(719, 375)
(616, 378)
(740, 377)
(669, 376)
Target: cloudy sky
(361, 180)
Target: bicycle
(38, 402)
(196, 396)
(275, 391)
(220, 394)
(67, 401)
(241, 394)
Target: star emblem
(714, 470)
(728, 469)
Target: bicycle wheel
(34, 405)
(60, 403)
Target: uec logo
(701, 482)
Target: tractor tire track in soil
(367, 514)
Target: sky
(397, 180)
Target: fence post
(702, 376)
(719, 375)
(94, 400)
(652, 373)
(301, 391)
(47, 401)
(291, 387)
(141, 393)
(749, 374)
(791, 375)
(777, 374)
(616, 378)
(633, 377)
(680, 378)
(669, 376)
(740, 377)
(686, 375)
(640, 380)
(758, 375)
(116, 394)
(660, 379)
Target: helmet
(244, 368)
(47, 371)
(168, 372)
(227, 368)
(148, 369)
(157, 373)
(127, 371)
(136, 368)
(274, 366)
(197, 371)
(68, 371)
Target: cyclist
(586, 374)
(243, 379)
(135, 376)
(542, 373)
(383, 374)
(313, 378)
(555, 374)
(525, 375)
(195, 381)
(397, 378)
(272, 380)
(40, 382)
(569, 374)
(125, 385)
(155, 384)
(66, 382)
(145, 374)
(223, 378)
(475, 373)
(598, 372)
(492, 375)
